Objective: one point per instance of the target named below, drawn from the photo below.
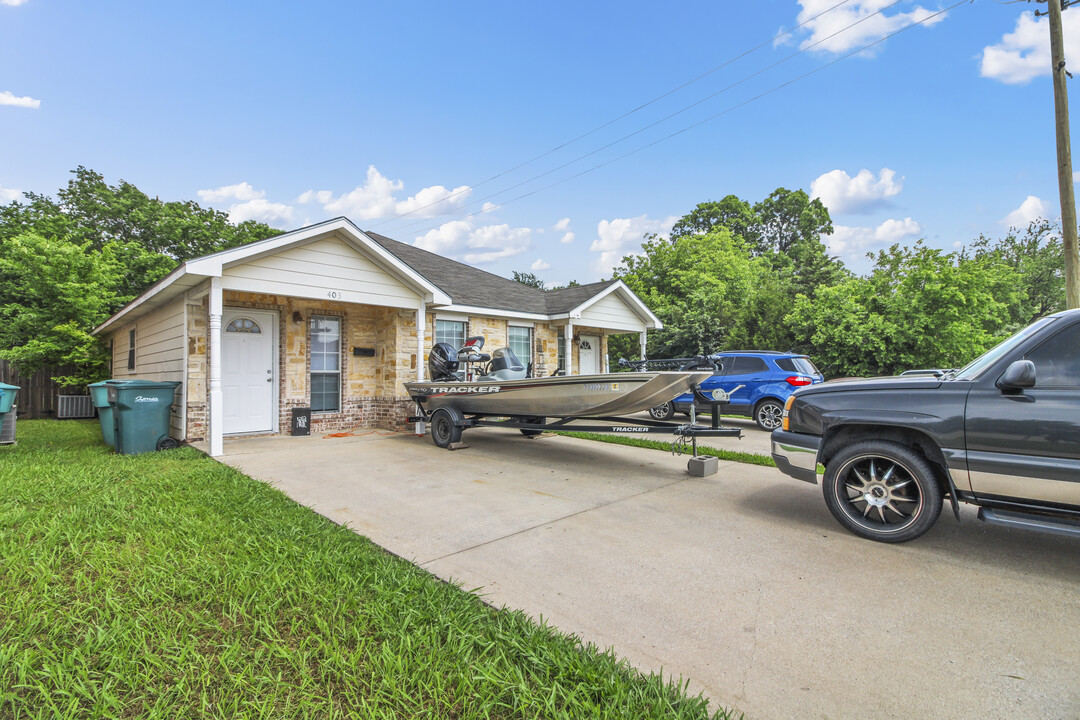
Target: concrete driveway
(741, 582)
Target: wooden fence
(37, 393)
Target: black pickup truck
(1002, 433)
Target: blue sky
(459, 126)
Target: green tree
(1038, 259)
(53, 293)
(101, 246)
(919, 307)
(732, 213)
(697, 286)
(528, 278)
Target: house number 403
(333, 294)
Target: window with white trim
(562, 354)
(325, 364)
(520, 341)
(451, 332)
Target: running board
(1028, 521)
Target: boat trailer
(447, 424)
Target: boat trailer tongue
(447, 425)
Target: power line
(719, 114)
(406, 228)
(620, 117)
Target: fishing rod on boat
(697, 362)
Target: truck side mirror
(1019, 375)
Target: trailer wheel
(533, 421)
(444, 430)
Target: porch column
(641, 341)
(216, 411)
(421, 321)
(568, 335)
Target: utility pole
(1064, 156)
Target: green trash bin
(7, 413)
(141, 410)
(99, 395)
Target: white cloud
(463, 241)
(9, 98)
(567, 238)
(563, 225)
(846, 195)
(488, 206)
(376, 198)
(9, 195)
(249, 204)
(623, 236)
(1031, 209)
(1024, 54)
(12, 3)
(850, 240)
(241, 191)
(865, 32)
(319, 196)
(540, 265)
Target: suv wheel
(663, 412)
(768, 415)
(882, 491)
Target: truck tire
(882, 491)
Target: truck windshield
(991, 356)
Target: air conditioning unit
(75, 406)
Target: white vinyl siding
(612, 313)
(159, 354)
(327, 269)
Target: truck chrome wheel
(882, 491)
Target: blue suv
(767, 379)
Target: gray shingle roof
(471, 286)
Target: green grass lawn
(169, 586)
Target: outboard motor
(442, 362)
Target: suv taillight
(799, 380)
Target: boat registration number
(602, 386)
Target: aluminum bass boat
(501, 388)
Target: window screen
(325, 364)
(451, 332)
(520, 341)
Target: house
(335, 319)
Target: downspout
(421, 323)
(216, 415)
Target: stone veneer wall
(372, 394)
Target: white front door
(248, 370)
(588, 354)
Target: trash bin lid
(136, 384)
(4, 386)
